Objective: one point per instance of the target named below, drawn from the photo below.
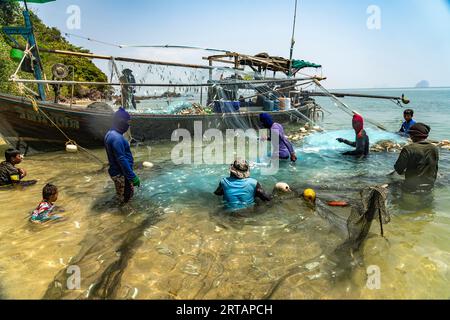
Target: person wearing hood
(285, 149)
(418, 161)
(362, 139)
(120, 158)
(239, 190)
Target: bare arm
(260, 193)
(219, 190)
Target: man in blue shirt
(120, 158)
(239, 190)
(409, 122)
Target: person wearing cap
(418, 161)
(120, 158)
(285, 149)
(9, 174)
(239, 190)
(362, 139)
(408, 115)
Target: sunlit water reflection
(174, 241)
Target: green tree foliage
(47, 38)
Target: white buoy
(148, 165)
(71, 148)
(283, 187)
(317, 128)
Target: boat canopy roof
(262, 62)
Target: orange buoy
(338, 204)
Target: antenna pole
(293, 39)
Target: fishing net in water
(371, 206)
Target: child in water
(45, 211)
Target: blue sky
(413, 43)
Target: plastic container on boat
(285, 103)
(268, 105)
(16, 55)
(226, 106)
(276, 105)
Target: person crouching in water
(285, 149)
(9, 174)
(46, 209)
(362, 139)
(419, 160)
(239, 190)
(120, 158)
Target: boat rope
(119, 84)
(344, 107)
(121, 46)
(22, 90)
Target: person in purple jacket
(285, 149)
(120, 158)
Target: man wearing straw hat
(239, 190)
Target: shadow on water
(105, 251)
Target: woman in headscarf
(419, 160)
(362, 139)
(285, 149)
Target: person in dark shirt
(362, 139)
(409, 122)
(9, 174)
(120, 158)
(419, 160)
(239, 190)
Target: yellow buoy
(310, 195)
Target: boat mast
(293, 40)
(27, 33)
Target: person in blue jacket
(239, 190)
(120, 158)
(409, 122)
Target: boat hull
(22, 126)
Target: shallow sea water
(174, 241)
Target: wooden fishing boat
(32, 122)
(22, 126)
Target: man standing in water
(419, 160)
(120, 158)
(362, 139)
(9, 174)
(409, 122)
